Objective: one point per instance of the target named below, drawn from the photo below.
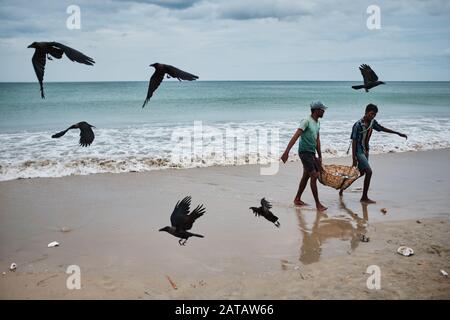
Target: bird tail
(145, 102)
(197, 235)
(358, 87)
(42, 91)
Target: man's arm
(291, 143)
(319, 152)
(383, 129)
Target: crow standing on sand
(158, 76)
(182, 221)
(56, 50)
(264, 211)
(370, 78)
(86, 133)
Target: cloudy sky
(231, 39)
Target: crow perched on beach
(264, 211)
(56, 50)
(86, 133)
(370, 78)
(158, 76)
(182, 221)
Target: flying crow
(370, 78)
(56, 50)
(264, 211)
(182, 221)
(158, 76)
(86, 133)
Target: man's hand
(319, 162)
(285, 157)
(403, 135)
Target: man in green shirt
(309, 143)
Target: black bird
(56, 50)
(264, 211)
(182, 221)
(86, 133)
(370, 78)
(158, 76)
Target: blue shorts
(363, 161)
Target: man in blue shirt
(308, 132)
(361, 132)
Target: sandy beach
(107, 224)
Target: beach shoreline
(107, 224)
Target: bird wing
(180, 74)
(86, 134)
(39, 67)
(265, 204)
(61, 133)
(73, 54)
(368, 74)
(197, 213)
(180, 212)
(153, 84)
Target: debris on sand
(444, 273)
(172, 283)
(65, 229)
(13, 267)
(383, 210)
(363, 238)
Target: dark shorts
(363, 161)
(309, 161)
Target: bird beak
(162, 229)
(30, 46)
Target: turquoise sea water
(131, 138)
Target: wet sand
(111, 224)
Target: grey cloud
(170, 4)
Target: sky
(230, 39)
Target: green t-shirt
(308, 139)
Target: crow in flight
(264, 211)
(181, 220)
(370, 78)
(158, 76)
(55, 50)
(86, 133)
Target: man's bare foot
(367, 200)
(299, 202)
(321, 207)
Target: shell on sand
(53, 244)
(405, 251)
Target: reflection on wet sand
(325, 228)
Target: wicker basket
(338, 176)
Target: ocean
(238, 122)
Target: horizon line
(87, 81)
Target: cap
(317, 105)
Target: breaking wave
(153, 147)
